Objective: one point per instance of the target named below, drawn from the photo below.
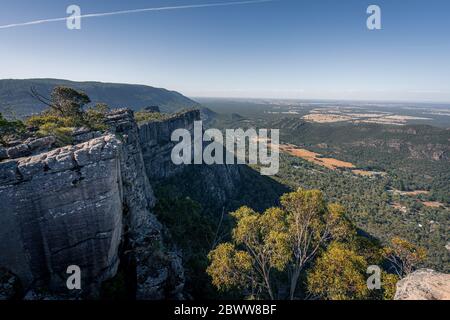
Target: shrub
(63, 135)
(66, 112)
(94, 117)
(10, 129)
(145, 116)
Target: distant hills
(15, 95)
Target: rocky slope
(91, 205)
(424, 284)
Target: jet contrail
(104, 14)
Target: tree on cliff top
(67, 109)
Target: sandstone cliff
(61, 208)
(90, 205)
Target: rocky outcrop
(28, 147)
(62, 208)
(91, 205)
(424, 284)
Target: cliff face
(91, 205)
(157, 146)
(61, 208)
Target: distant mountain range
(15, 95)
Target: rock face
(424, 284)
(154, 268)
(29, 147)
(91, 205)
(155, 139)
(62, 208)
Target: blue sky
(281, 49)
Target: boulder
(21, 150)
(41, 143)
(424, 284)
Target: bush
(94, 117)
(10, 129)
(65, 113)
(63, 135)
(145, 116)
(44, 118)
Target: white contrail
(103, 14)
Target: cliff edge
(91, 205)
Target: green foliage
(369, 205)
(63, 135)
(265, 235)
(66, 112)
(264, 243)
(305, 243)
(192, 231)
(230, 268)
(149, 116)
(46, 118)
(339, 274)
(404, 256)
(280, 243)
(68, 102)
(389, 285)
(311, 225)
(145, 116)
(403, 153)
(94, 117)
(10, 129)
(16, 93)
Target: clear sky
(283, 49)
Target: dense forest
(409, 198)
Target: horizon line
(252, 97)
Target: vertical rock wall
(91, 205)
(62, 208)
(155, 139)
(159, 274)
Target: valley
(392, 181)
(387, 164)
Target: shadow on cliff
(194, 207)
(225, 187)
